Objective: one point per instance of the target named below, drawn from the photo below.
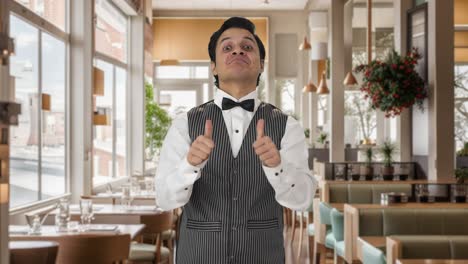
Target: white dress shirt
(292, 181)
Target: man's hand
(265, 148)
(202, 146)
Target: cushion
(372, 255)
(338, 193)
(325, 210)
(337, 223)
(330, 240)
(360, 193)
(168, 235)
(146, 252)
(340, 248)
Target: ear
(262, 65)
(213, 68)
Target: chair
(91, 248)
(337, 224)
(155, 225)
(43, 252)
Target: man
(234, 162)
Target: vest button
(235, 198)
(234, 228)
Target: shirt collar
(220, 94)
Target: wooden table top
(411, 205)
(432, 261)
(449, 181)
(110, 209)
(21, 231)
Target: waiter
(234, 162)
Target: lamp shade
(309, 88)
(305, 45)
(319, 51)
(350, 80)
(323, 88)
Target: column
(337, 74)
(81, 85)
(441, 92)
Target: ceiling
(229, 4)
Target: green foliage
(307, 132)
(322, 138)
(393, 84)
(369, 153)
(464, 151)
(157, 122)
(388, 149)
(461, 174)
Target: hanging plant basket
(393, 84)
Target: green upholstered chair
(337, 224)
(325, 219)
(372, 255)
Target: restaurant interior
(90, 88)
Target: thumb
(208, 128)
(260, 128)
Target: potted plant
(393, 84)
(387, 150)
(462, 156)
(367, 170)
(322, 138)
(157, 122)
(461, 174)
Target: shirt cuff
(273, 172)
(189, 172)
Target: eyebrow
(226, 38)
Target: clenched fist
(202, 146)
(265, 148)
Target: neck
(237, 90)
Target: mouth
(238, 60)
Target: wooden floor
(292, 248)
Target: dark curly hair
(234, 22)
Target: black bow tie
(248, 104)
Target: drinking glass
(63, 215)
(126, 199)
(86, 212)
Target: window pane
(51, 10)
(461, 106)
(285, 92)
(360, 119)
(173, 72)
(201, 72)
(24, 153)
(177, 102)
(120, 120)
(102, 144)
(111, 30)
(53, 121)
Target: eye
(248, 47)
(227, 48)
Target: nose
(236, 51)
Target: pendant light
(305, 45)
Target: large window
(461, 105)
(358, 113)
(110, 138)
(285, 95)
(111, 30)
(52, 10)
(109, 144)
(38, 143)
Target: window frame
(125, 66)
(44, 26)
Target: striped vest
(232, 215)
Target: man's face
(237, 57)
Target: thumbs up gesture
(202, 146)
(265, 148)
